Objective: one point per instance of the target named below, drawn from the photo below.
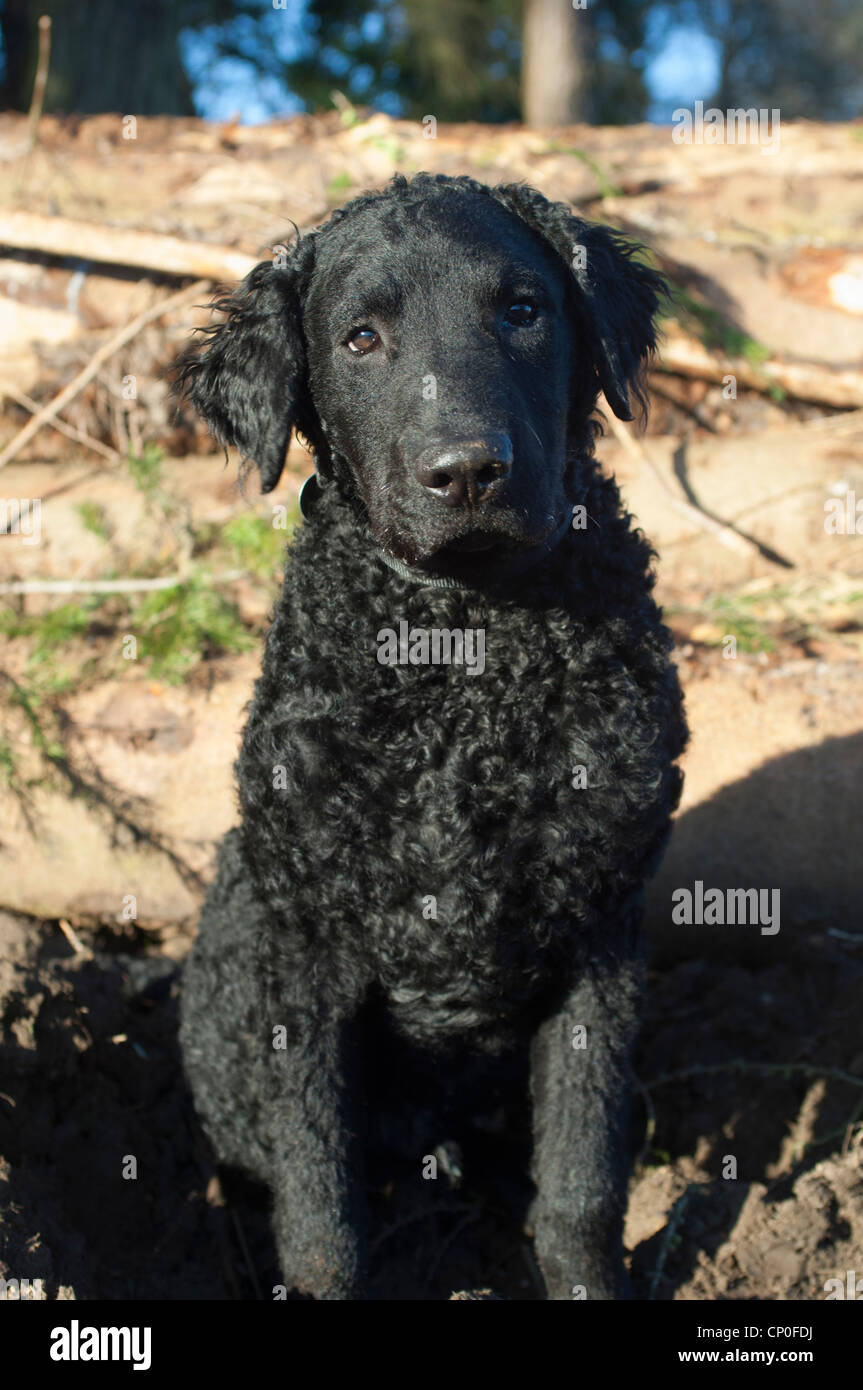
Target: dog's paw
(328, 1268)
(326, 1283)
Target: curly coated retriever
(459, 763)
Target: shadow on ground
(749, 1052)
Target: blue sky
(683, 68)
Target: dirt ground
(90, 1075)
(747, 1124)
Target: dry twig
(61, 426)
(107, 586)
(38, 97)
(118, 340)
(726, 535)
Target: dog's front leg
(316, 1177)
(579, 1087)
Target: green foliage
(48, 634)
(459, 60)
(715, 331)
(733, 613)
(175, 629)
(8, 769)
(391, 148)
(43, 725)
(165, 506)
(338, 186)
(256, 544)
(761, 616)
(94, 519)
(49, 630)
(146, 470)
(349, 116)
(179, 626)
(751, 634)
(804, 59)
(455, 59)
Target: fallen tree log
(680, 353)
(805, 381)
(92, 241)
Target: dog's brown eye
(363, 340)
(522, 313)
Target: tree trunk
(554, 72)
(105, 56)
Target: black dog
(458, 768)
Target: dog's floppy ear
(620, 297)
(249, 379)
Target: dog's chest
(460, 830)
(467, 900)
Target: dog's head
(441, 345)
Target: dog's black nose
(466, 473)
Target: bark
(555, 42)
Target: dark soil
(90, 1079)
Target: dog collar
(432, 581)
(529, 561)
(310, 493)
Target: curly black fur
(369, 791)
